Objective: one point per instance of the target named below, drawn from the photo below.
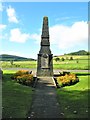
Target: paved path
(45, 103)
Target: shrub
(23, 77)
(62, 59)
(19, 73)
(67, 79)
(57, 59)
(71, 58)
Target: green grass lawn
(71, 65)
(74, 99)
(16, 98)
(19, 64)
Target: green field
(74, 99)
(19, 64)
(83, 63)
(16, 98)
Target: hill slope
(6, 57)
(80, 52)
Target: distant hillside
(80, 52)
(6, 57)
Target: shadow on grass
(82, 74)
(74, 103)
(6, 77)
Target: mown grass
(72, 65)
(16, 98)
(19, 64)
(74, 99)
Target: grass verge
(74, 99)
(16, 98)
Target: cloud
(11, 15)
(17, 36)
(69, 36)
(63, 18)
(64, 37)
(2, 26)
(36, 37)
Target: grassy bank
(16, 98)
(74, 99)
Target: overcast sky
(21, 27)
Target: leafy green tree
(11, 61)
(71, 58)
(77, 61)
(62, 59)
(57, 59)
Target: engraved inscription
(44, 61)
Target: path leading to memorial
(45, 103)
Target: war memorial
(45, 57)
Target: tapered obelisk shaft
(45, 62)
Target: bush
(62, 59)
(57, 59)
(23, 77)
(19, 73)
(67, 79)
(71, 58)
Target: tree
(77, 61)
(11, 61)
(62, 59)
(57, 59)
(71, 58)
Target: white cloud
(11, 15)
(66, 37)
(2, 26)
(17, 36)
(63, 18)
(69, 36)
(36, 37)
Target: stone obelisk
(45, 57)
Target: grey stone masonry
(45, 57)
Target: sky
(21, 27)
